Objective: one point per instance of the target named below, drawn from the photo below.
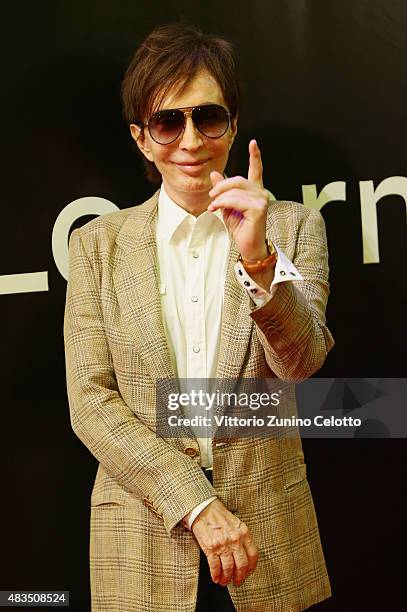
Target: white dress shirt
(192, 260)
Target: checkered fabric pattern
(141, 558)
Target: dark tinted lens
(212, 120)
(165, 126)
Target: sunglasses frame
(186, 110)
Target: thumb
(215, 177)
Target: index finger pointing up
(255, 174)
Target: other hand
(226, 542)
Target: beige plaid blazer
(141, 558)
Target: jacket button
(191, 452)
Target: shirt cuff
(191, 516)
(284, 271)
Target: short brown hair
(172, 54)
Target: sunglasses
(212, 120)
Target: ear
(137, 134)
(233, 130)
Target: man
(206, 279)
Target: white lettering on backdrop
(332, 192)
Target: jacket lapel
(237, 330)
(137, 288)
(237, 325)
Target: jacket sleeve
(291, 326)
(129, 451)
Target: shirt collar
(171, 216)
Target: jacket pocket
(106, 491)
(106, 497)
(108, 504)
(295, 478)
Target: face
(187, 185)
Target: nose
(191, 137)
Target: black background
(326, 97)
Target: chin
(193, 183)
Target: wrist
(253, 259)
(263, 263)
(189, 519)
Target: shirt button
(196, 349)
(191, 452)
(195, 255)
(194, 298)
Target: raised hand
(244, 204)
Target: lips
(192, 168)
(192, 163)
